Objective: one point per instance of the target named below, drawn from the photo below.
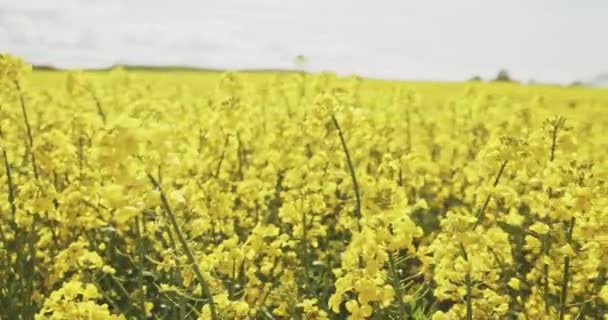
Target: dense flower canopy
(296, 196)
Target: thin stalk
(9, 180)
(351, 170)
(28, 128)
(31, 267)
(201, 138)
(397, 285)
(566, 278)
(121, 287)
(184, 244)
(305, 249)
(140, 274)
(105, 296)
(546, 247)
(182, 307)
(409, 130)
(100, 111)
(233, 276)
(482, 211)
(556, 125)
(219, 163)
(80, 159)
(240, 156)
(467, 282)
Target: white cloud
(548, 40)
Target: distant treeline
(135, 67)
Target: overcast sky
(550, 40)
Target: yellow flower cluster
(142, 195)
(75, 300)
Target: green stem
(240, 154)
(482, 211)
(9, 178)
(409, 130)
(557, 124)
(28, 128)
(467, 282)
(305, 256)
(566, 278)
(351, 170)
(219, 163)
(31, 267)
(100, 111)
(140, 275)
(546, 247)
(184, 244)
(397, 286)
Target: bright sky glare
(547, 40)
